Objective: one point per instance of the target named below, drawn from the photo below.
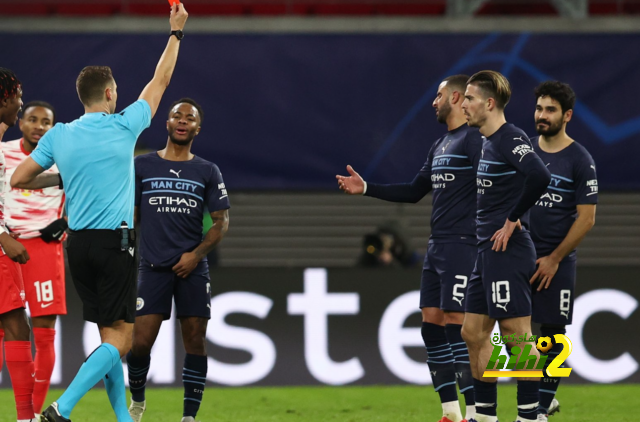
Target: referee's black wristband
(60, 185)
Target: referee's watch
(178, 33)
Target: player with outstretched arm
(95, 157)
(450, 172)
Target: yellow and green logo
(521, 362)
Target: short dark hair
(494, 84)
(91, 83)
(188, 101)
(457, 82)
(9, 83)
(39, 104)
(558, 91)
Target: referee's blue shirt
(94, 155)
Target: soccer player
(173, 189)
(17, 344)
(559, 221)
(95, 157)
(511, 178)
(449, 171)
(36, 216)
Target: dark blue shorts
(555, 304)
(499, 286)
(158, 287)
(445, 274)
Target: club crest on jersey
(139, 303)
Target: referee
(95, 157)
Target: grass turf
(588, 403)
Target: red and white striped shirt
(2, 177)
(27, 211)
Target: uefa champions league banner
(352, 327)
(289, 111)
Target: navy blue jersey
(573, 183)
(451, 167)
(172, 197)
(506, 157)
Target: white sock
(470, 412)
(451, 410)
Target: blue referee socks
(114, 384)
(97, 365)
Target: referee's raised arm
(152, 93)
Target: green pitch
(592, 403)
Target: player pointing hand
(354, 184)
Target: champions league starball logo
(524, 364)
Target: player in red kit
(36, 216)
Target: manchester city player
(511, 178)
(173, 189)
(560, 220)
(450, 172)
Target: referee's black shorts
(104, 275)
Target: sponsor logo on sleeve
(522, 149)
(223, 190)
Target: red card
(172, 2)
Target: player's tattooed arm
(189, 260)
(548, 265)
(28, 176)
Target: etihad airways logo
(172, 204)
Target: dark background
(290, 111)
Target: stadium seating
(300, 7)
(326, 229)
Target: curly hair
(9, 83)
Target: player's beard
(443, 112)
(181, 142)
(551, 130)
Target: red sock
(1, 348)
(21, 371)
(45, 359)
